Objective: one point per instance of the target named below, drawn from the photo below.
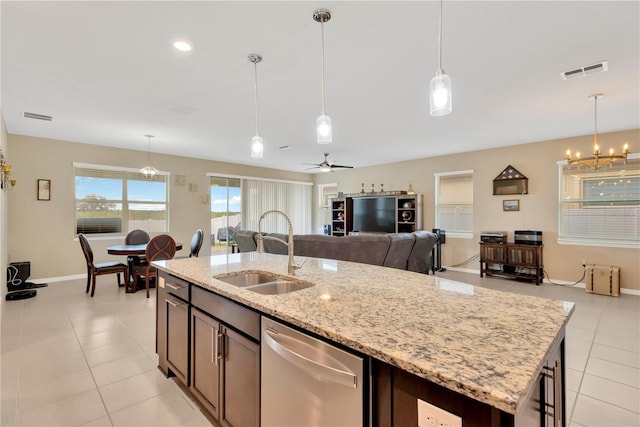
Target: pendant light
(440, 87)
(324, 121)
(257, 144)
(149, 171)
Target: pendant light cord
(322, 30)
(255, 69)
(149, 150)
(595, 120)
(440, 41)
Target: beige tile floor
(71, 360)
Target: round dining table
(131, 250)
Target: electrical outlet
(432, 416)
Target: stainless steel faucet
(292, 267)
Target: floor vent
(588, 70)
(37, 116)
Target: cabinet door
(240, 399)
(161, 325)
(205, 360)
(554, 398)
(177, 337)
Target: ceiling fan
(326, 166)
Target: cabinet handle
(171, 302)
(213, 351)
(220, 344)
(557, 396)
(174, 287)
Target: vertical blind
(600, 207)
(116, 200)
(454, 202)
(294, 199)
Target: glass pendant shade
(324, 129)
(149, 172)
(440, 94)
(257, 147)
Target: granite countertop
(484, 344)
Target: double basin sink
(264, 283)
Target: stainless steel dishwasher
(307, 382)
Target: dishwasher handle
(323, 372)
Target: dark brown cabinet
(225, 361)
(177, 337)
(240, 397)
(340, 217)
(206, 351)
(511, 260)
(212, 345)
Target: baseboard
(545, 280)
(59, 278)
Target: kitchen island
(473, 351)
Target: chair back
(161, 247)
(196, 242)
(86, 249)
(137, 237)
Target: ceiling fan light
(440, 94)
(325, 168)
(324, 129)
(257, 147)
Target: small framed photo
(510, 205)
(44, 189)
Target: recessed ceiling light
(182, 46)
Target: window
(116, 200)
(600, 207)
(292, 198)
(258, 195)
(454, 203)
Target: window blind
(294, 199)
(600, 207)
(454, 202)
(115, 200)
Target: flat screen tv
(377, 214)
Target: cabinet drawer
(229, 312)
(176, 287)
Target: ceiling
(108, 74)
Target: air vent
(585, 71)
(37, 116)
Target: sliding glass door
(225, 213)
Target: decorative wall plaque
(510, 181)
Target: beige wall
(4, 216)
(42, 232)
(538, 209)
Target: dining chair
(160, 247)
(102, 268)
(135, 237)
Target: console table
(511, 258)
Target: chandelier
(597, 160)
(150, 173)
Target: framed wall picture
(510, 205)
(44, 189)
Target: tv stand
(408, 215)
